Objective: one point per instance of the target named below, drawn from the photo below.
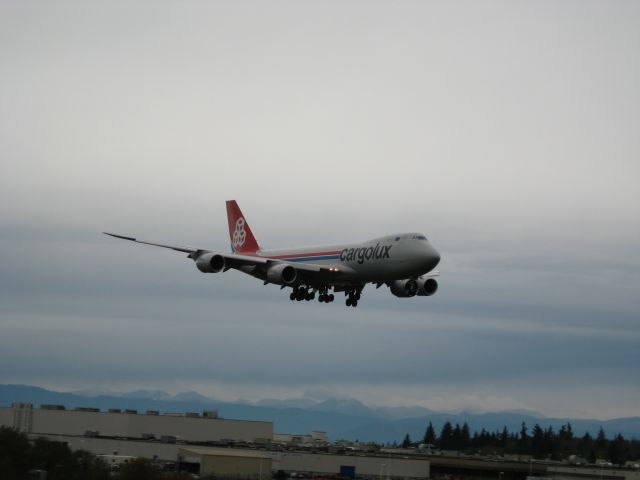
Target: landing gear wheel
(300, 295)
(292, 296)
(354, 303)
(348, 302)
(330, 298)
(310, 296)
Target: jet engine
(404, 288)
(282, 274)
(210, 263)
(427, 286)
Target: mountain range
(347, 419)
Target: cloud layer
(507, 133)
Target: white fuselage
(406, 255)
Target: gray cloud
(507, 133)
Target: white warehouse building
(130, 424)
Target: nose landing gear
(353, 295)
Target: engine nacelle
(282, 274)
(427, 286)
(210, 263)
(404, 288)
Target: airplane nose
(433, 256)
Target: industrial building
(254, 463)
(179, 438)
(352, 465)
(401, 465)
(90, 422)
(227, 462)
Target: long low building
(256, 464)
(130, 424)
(485, 468)
(352, 465)
(227, 462)
(163, 452)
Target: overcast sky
(507, 132)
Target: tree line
(539, 443)
(19, 456)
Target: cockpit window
(419, 237)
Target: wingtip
(119, 236)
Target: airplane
(403, 262)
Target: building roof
(223, 452)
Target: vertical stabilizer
(242, 239)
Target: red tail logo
(242, 239)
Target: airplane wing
(172, 247)
(234, 260)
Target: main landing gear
(300, 293)
(353, 295)
(307, 293)
(325, 296)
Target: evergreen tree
(456, 442)
(601, 439)
(18, 455)
(475, 441)
(523, 441)
(566, 433)
(618, 451)
(465, 437)
(541, 443)
(430, 435)
(585, 445)
(549, 447)
(446, 437)
(504, 437)
(537, 441)
(14, 454)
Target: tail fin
(242, 239)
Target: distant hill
(340, 418)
